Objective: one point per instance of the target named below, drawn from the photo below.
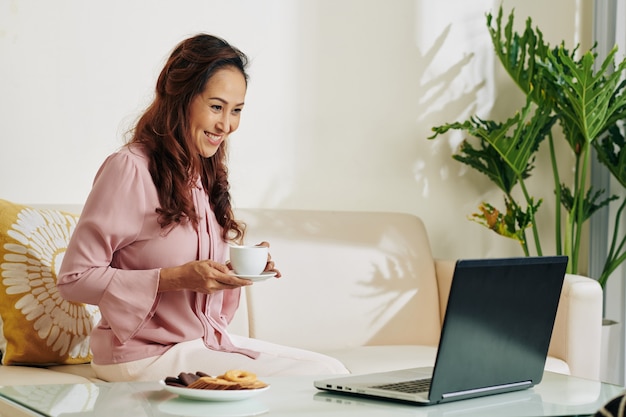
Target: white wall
(342, 97)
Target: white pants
(193, 356)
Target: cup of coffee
(248, 260)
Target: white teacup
(248, 260)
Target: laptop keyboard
(414, 386)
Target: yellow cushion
(37, 326)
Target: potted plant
(565, 97)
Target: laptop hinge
(487, 389)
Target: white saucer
(262, 277)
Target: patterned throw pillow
(37, 326)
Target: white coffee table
(557, 395)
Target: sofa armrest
(577, 334)
(444, 269)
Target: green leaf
(519, 54)
(485, 159)
(611, 151)
(591, 202)
(588, 101)
(504, 158)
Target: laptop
(494, 338)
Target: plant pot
(609, 355)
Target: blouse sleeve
(112, 218)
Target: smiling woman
(150, 247)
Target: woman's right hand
(201, 276)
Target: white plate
(262, 277)
(213, 395)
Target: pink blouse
(113, 261)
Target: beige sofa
(363, 287)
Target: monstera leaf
(590, 100)
(519, 54)
(611, 151)
(515, 150)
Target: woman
(151, 243)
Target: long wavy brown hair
(163, 130)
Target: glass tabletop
(556, 395)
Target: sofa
(363, 287)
